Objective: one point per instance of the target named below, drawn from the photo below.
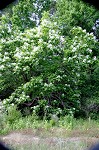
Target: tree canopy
(49, 57)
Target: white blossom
(62, 39)
(88, 61)
(50, 46)
(35, 48)
(78, 75)
(84, 60)
(26, 44)
(64, 59)
(84, 30)
(94, 58)
(2, 67)
(69, 58)
(91, 34)
(6, 53)
(87, 56)
(75, 56)
(74, 49)
(18, 55)
(12, 104)
(89, 50)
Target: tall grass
(10, 123)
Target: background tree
(75, 13)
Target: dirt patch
(18, 138)
(29, 137)
(88, 133)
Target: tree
(49, 67)
(45, 71)
(75, 13)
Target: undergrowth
(13, 120)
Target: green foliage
(50, 67)
(63, 124)
(75, 13)
(27, 14)
(12, 114)
(41, 70)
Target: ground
(51, 139)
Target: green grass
(14, 121)
(68, 123)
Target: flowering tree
(44, 66)
(45, 71)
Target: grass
(48, 130)
(68, 123)
(13, 120)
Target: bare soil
(51, 137)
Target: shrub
(12, 114)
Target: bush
(12, 114)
